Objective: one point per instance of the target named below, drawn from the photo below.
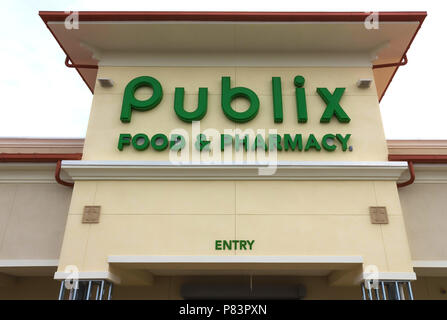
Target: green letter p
(131, 103)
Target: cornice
(304, 170)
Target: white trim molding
(12, 268)
(430, 264)
(299, 170)
(26, 263)
(235, 264)
(88, 275)
(391, 276)
(430, 268)
(29, 172)
(428, 173)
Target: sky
(43, 98)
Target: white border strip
(28, 263)
(430, 264)
(67, 163)
(28, 172)
(236, 259)
(299, 170)
(430, 173)
(397, 276)
(88, 275)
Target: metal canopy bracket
(386, 290)
(85, 290)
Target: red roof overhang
(230, 16)
(58, 16)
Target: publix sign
(333, 111)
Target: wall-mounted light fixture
(105, 82)
(364, 83)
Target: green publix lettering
(286, 142)
(332, 101)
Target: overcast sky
(43, 98)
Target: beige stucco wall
(425, 212)
(285, 218)
(32, 220)
(329, 218)
(361, 105)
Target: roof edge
(403, 56)
(38, 157)
(234, 16)
(247, 16)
